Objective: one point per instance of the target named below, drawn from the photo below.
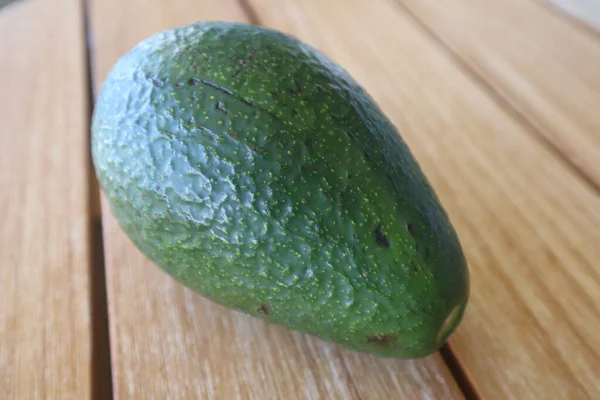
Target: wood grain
(528, 223)
(543, 66)
(45, 331)
(168, 342)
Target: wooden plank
(528, 223)
(540, 63)
(45, 325)
(168, 342)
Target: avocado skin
(258, 173)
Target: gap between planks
(459, 373)
(249, 11)
(101, 374)
(499, 98)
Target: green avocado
(258, 173)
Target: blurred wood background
(499, 100)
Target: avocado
(258, 173)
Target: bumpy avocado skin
(261, 175)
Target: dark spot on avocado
(411, 229)
(414, 267)
(264, 309)
(252, 54)
(381, 340)
(326, 193)
(256, 149)
(307, 143)
(221, 107)
(204, 129)
(193, 81)
(426, 253)
(233, 135)
(382, 240)
(350, 176)
(355, 236)
(395, 261)
(177, 85)
(423, 252)
(350, 134)
(217, 87)
(295, 113)
(157, 187)
(155, 81)
(248, 102)
(273, 93)
(303, 168)
(367, 157)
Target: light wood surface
(499, 101)
(45, 309)
(167, 341)
(541, 65)
(528, 223)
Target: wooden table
(500, 103)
